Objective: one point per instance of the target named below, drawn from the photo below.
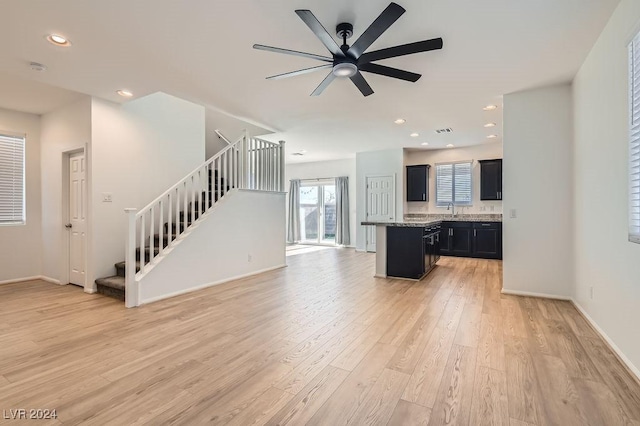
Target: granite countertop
(407, 224)
(420, 220)
(457, 218)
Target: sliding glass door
(318, 213)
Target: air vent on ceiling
(447, 130)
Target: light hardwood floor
(321, 342)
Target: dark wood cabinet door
(445, 241)
(461, 241)
(491, 179)
(418, 183)
(486, 243)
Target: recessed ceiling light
(124, 93)
(414, 135)
(492, 136)
(424, 143)
(450, 145)
(490, 125)
(400, 121)
(490, 107)
(58, 40)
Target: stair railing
(248, 163)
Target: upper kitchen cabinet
(418, 182)
(491, 179)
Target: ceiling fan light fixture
(345, 69)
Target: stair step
(111, 286)
(121, 268)
(147, 250)
(174, 227)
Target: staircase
(249, 163)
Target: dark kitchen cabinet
(455, 239)
(471, 239)
(487, 240)
(418, 182)
(412, 251)
(491, 179)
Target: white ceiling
(201, 50)
(20, 94)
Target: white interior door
(77, 218)
(381, 205)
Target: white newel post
(131, 296)
(244, 161)
(281, 166)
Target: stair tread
(115, 281)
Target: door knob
(68, 226)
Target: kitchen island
(411, 248)
(408, 249)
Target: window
(453, 184)
(634, 144)
(11, 180)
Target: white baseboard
(531, 294)
(211, 284)
(19, 280)
(34, 278)
(616, 350)
(50, 280)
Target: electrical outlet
(513, 213)
(249, 258)
(591, 293)
(106, 197)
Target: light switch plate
(513, 214)
(107, 197)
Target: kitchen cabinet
(418, 182)
(412, 251)
(487, 240)
(471, 239)
(491, 179)
(455, 239)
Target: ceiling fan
(348, 61)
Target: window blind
(453, 184)
(11, 180)
(634, 144)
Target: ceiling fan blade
(299, 72)
(320, 32)
(390, 72)
(362, 84)
(293, 52)
(375, 30)
(325, 83)
(405, 49)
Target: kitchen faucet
(453, 209)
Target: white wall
(604, 259)
(487, 151)
(328, 169)
(139, 150)
(20, 251)
(232, 128)
(538, 184)
(66, 129)
(218, 249)
(376, 163)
